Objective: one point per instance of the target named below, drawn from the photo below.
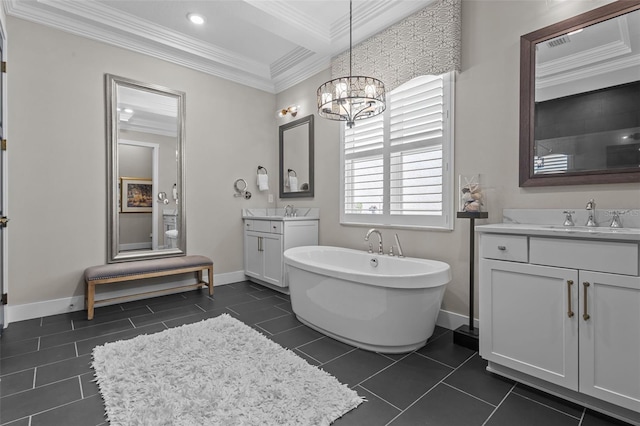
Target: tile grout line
(499, 404)
(131, 322)
(75, 345)
(439, 362)
(382, 399)
(306, 343)
(453, 370)
(467, 393)
(584, 413)
(545, 405)
(80, 384)
(313, 358)
(33, 385)
(380, 371)
(339, 356)
(231, 309)
(48, 409)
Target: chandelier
(351, 98)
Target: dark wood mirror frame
(527, 101)
(308, 120)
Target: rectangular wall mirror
(296, 158)
(579, 92)
(145, 137)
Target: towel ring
(289, 171)
(262, 168)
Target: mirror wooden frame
(527, 100)
(299, 122)
(114, 254)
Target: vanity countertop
(302, 213)
(592, 233)
(548, 223)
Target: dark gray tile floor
(46, 377)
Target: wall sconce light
(293, 110)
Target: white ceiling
(267, 44)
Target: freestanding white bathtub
(375, 302)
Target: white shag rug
(215, 372)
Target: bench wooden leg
(207, 283)
(91, 292)
(210, 283)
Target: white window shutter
(395, 165)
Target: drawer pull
(502, 248)
(570, 311)
(585, 316)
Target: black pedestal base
(466, 337)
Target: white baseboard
(229, 278)
(45, 308)
(451, 320)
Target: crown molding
(315, 42)
(300, 73)
(290, 60)
(144, 46)
(104, 15)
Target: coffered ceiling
(267, 44)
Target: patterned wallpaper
(425, 43)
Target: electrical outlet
(271, 198)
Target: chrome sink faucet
(375, 231)
(400, 253)
(288, 210)
(615, 221)
(568, 220)
(591, 209)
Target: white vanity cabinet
(265, 242)
(565, 312)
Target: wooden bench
(130, 271)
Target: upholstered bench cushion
(116, 270)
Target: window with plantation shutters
(396, 167)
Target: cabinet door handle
(570, 311)
(585, 316)
(502, 248)
(259, 243)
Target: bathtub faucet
(375, 231)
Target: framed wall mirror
(579, 91)
(296, 158)
(145, 174)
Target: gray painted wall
(58, 150)
(486, 140)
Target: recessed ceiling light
(195, 18)
(128, 110)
